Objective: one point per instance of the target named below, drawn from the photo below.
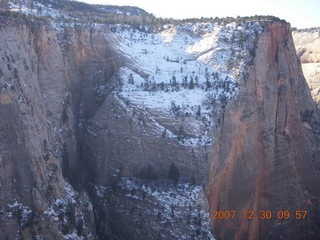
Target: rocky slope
(307, 42)
(94, 117)
(267, 151)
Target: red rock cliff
(266, 155)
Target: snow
(163, 100)
(72, 205)
(24, 213)
(72, 236)
(38, 10)
(161, 204)
(173, 73)
(186, 65)
(183, 195)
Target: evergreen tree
(174, 173)
(208, 84)
(199, 111)
(174, 81)
(130, 80)
(197, 81)
(180, 133)
(154, 87)
(191, 84)
(185, 81)
(162, 86)
(229, 64)
(240, 39)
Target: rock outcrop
(46, 74)
(93, 118)
(307, 42)
(266, 157)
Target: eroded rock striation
(267, 151)
(94, 117)
(45, 77)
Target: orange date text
(259, 214)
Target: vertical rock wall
(266, 156)
(46, 77)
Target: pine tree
(130, 80)
(174, 173)
(180, 133)
(162, 86)
(229, 64)
(208, 84)
(174, 81)
(199, 111)
(197, 81)
(191, 84)
(240, 39)
(154, 87)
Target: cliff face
(266, 156)
(43, 72)
(307, 43)
(67, 132)
(91, 121)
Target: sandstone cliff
(46, 74)
(307, 42)
(66, 139)
(93, 115)
(267, 152)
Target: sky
(300, 13)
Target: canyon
(139, 131)
(307, 42)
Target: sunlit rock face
(268, 156)
(307, 43)
(172, 88)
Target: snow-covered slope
(189, 70)
(74, 11)
(171, 87)
(164, 210)
(37, 9)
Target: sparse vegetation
(88, 14)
